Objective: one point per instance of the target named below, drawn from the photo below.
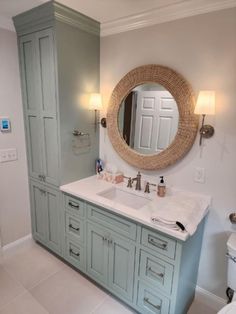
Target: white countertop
(89, 188)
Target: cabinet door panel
(121, 267)
(28, 71)
(50, 144)
(53, 211)
(97, 261)
(34, 145)
(39, 212)
(46, 69)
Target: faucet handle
(130, 181)
(147, 188)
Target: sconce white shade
(95, 101)
(205, 102)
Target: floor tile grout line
(100, 304)
(44, 279)
(12, 300)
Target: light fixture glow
(205, 105)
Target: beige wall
(14, 198)
(203, 49)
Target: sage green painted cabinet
(38, 82)
(59, 51)
(152, 272)
(110, 260)
(46, 215)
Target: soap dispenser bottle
(161, 188)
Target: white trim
(16, 243)
(209, 299)
(6, 23)
(164, 14)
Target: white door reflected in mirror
(148, 118)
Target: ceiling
(121, 15)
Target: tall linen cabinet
(59, 65)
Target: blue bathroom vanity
(151, 268)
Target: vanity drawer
(117, 224)
(159, 243)
(74, 205)
(156, 272)
(151, 302)
(74, 254)
(74, 227)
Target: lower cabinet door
(150, 301)
(45, 208)
(38, 212)
(53, 220)
(97, 253)
(121, 266)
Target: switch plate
(199, 175)
(8, 155)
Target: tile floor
(33, 281)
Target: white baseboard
(209, 299)
(16, 243)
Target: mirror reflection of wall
(148, 118)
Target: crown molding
(165, 14)
(6, 23)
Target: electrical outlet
(199, 175)
(8, 155)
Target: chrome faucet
(138, 181)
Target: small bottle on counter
(161, 188)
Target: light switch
(8, 155)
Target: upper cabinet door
(47, 76)
(32, 101)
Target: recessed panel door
(97, 253)
(121, 266)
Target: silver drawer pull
(73, 205)
(146, 300)
(74, 253)
(42, 191)
(72, 227)
(162, 246)
(161, 275)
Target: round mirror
(148, 118)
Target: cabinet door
(97, 253)
(32, 103)
(121, 266)
(48, 98)
(45, 210)
(38, 212)
(53, 220)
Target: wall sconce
(205, 105)
(95, 103)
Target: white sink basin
(124, 197)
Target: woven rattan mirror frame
(188, 121)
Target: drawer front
(156, 272)
(74, 206)
(74, 254)
(150, 302)
(74, 227)
(111, 221)
(159, 243)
